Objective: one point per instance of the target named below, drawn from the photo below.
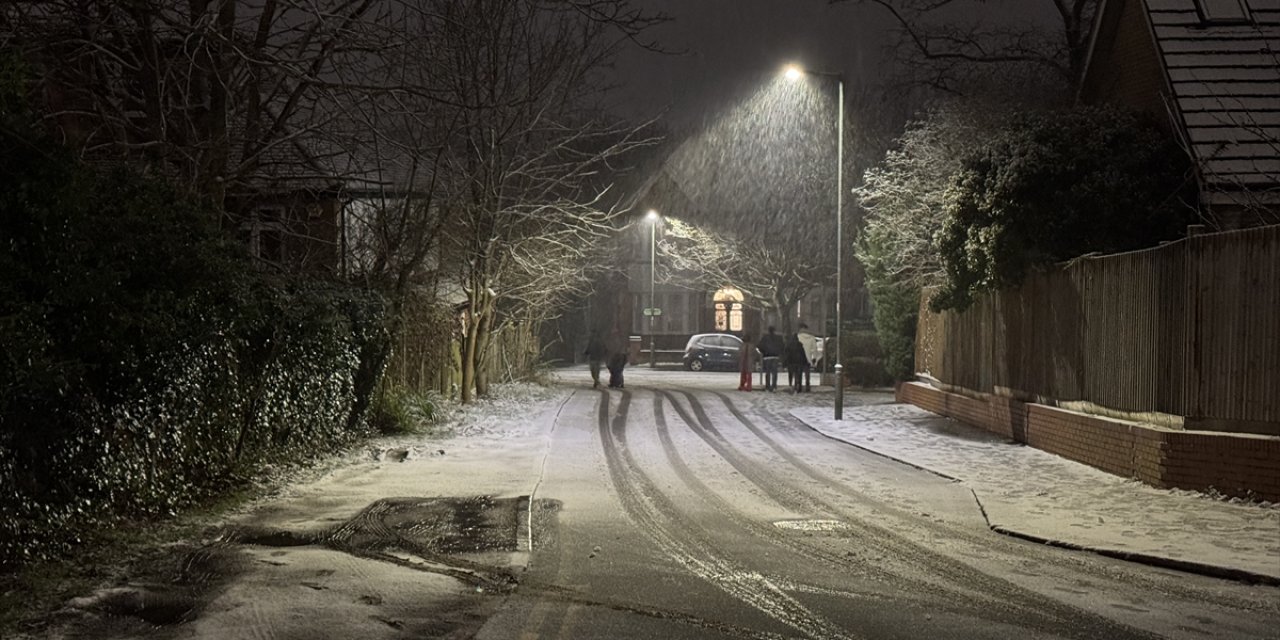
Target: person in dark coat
(617, 361)
(771, 348)
(794, 358)
(595, 353)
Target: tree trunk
(468, 357)
(213, 174)
(784, 305)
(484, 332)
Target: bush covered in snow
(976, 195)
(905, 197)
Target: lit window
(728, 308)
(1223, 10)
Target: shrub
(1055, 186)
(866, 372)
(396, 410)
(897, 307)
(144, 362)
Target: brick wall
(1196, 459)
(1126, 68)
(922, 396)
(1241, 465)
(1097, 442)
(1008, 417)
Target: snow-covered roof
(1225, 81)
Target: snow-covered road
(681, 508)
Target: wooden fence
(426, 354)
(1189, 329)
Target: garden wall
(1234, 464)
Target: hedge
(146, 362)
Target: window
(263, 232)
(1223, 11)
(728, 307)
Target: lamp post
(794, 72)
(652, 217)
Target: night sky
(725, 49)
(728, 47)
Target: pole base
(839, 382)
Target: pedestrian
(595, 353)
(617, 360)
(810, 344)
(746, 364)
(794, 359)
(770, 356)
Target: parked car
(712, 351)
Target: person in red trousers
(746, 364)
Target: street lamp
(653, 217)
(795, 72)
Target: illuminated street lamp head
(793, 72)
(652, 216)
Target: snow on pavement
(1033, 493)
(492, 447)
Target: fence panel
(1234, 368)
(1190, 328)
(1133, 327)
(421, 356)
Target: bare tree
(951, 45)
(524, 201)
(216, 94)
(774, 275)
(752, 195)
(464, 131)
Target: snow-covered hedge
(145, 363)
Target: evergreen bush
(1055, 186)
(145, 363)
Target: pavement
(1028, 493)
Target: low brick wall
(1241, 465)
(1098, 442)
(1195, 459)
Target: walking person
(617, 360)
(746, 364)
(810, 344)
(794, 359)
(595, 353)
(770, 357)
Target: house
(1209, 71)
(291, 203)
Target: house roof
(1225, 81)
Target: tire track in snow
(968, 581)
(1003, 544)
(658, 518)
(766, 531)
